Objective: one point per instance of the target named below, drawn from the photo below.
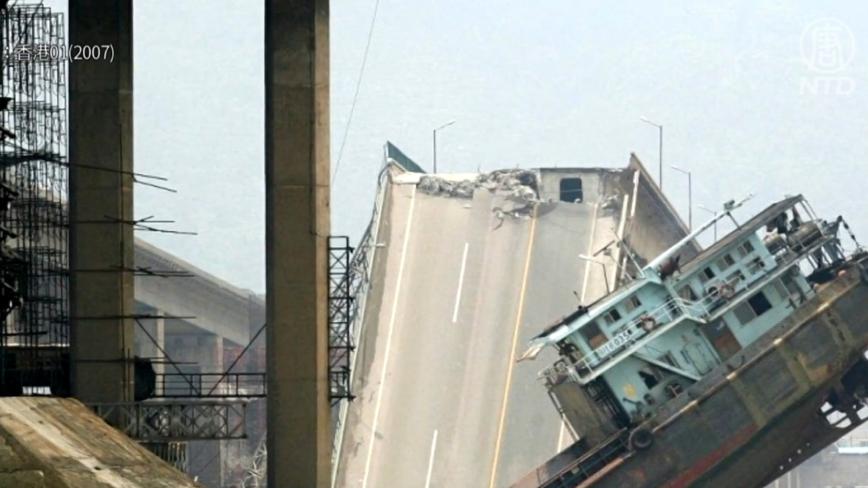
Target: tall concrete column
(152, 344)
(297, 228)
(101, 202)
(209, 356)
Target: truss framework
(341, 301)
(176, 421)
(33, 164)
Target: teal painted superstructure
(673, 322)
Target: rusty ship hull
(756, 416)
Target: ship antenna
(728, 207)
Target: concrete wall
(594, 182)
(58, 442)
(656, 225)
(652, 224)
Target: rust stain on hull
(741, 422)
(697, 470)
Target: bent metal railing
(665, 316)
(210, 385)
(668, 314)
(360, 274)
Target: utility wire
(356, 96)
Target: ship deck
(748, 416)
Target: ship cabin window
(593, 335)
(759, 303)
(673, 309)
(706, 275)
(745, 248)
(725, 262)
(687, 293)
(756, 266)
(571, 190)
(752, 308)
(632, 304)
(791, 286)
(789, 290)
(568, 349)
(781, 290)
(651, 376)
(612, 316)
(735, 278)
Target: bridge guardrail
(360, 275)
(210, 385)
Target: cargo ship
(724, 370)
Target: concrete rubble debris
(520, 183)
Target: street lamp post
(660, 146)
(605, 275)
(703, 207)
(447, 124)
(689, 196)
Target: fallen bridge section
(466, 267)
(59, 443)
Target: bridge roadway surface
(211, 305)
(443, 402)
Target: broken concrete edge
(366, 250)
(59, 442)
(522, 183)
(658, 194)
(19, 468)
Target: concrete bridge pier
(151, 342)
(297, 227)
(201, 353)
(101, 204)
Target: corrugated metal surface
(53, 442)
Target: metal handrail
(360, 266)
(664, 317)
(210, 385)
(634, 332)
(699, 310)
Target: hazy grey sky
(532, 84)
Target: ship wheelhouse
(649, 340)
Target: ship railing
(643, 329)
(633, 332)
(561, 371)
(711, 302)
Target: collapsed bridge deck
(463, 272)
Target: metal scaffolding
(340, 320)
(35, 336)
